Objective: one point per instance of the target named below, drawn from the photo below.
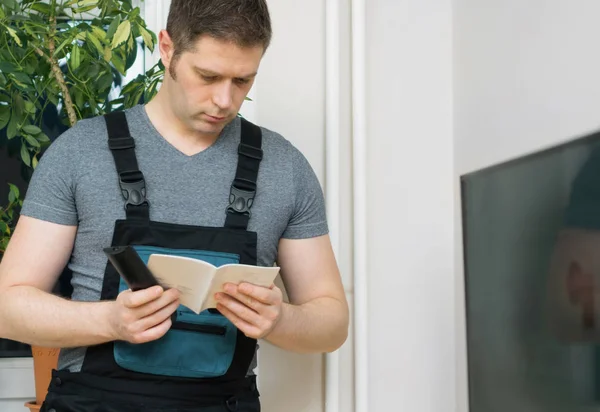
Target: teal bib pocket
(196, 346)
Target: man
(181, 175)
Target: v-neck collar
(166, 145)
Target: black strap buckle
(250, 151)
(133, 188)
(121, 143)
(240, 201)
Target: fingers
(155, 332)
(253, 309)
(248, 329)
(262, 294)
(140, 297)
(255, 297)
(241, 310)
(144, 315)
(166, 299)
(144, 327)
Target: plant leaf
(21, 85)
(4, 116)
(79, 101)
(11, 131)
(83, 9)
(99, 33)
(107, 54)
(75, 57)
(19, 108)
(131, 54)
(134, 13)
(31, 140)
(14, 190)
(131, 44)
(94, 40)
(11, 4)
(8, 67)
(31, 129)
(25, 156)
(147, 37)
(34, 162)
(122, 34)
(112, 29)
(42, 138)
(63, 44)
(13, 34)
(30, 107)
(22, 77)
(119, 63)
(43, 8)
(105, 81)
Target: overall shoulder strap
(243, 188)
(131, 179)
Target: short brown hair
(245, 23)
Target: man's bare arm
(36, 255)
(317, 318)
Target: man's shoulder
(275, 144)
(90, 132)
(85, 130)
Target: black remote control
(131, 267)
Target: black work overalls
(201, 363)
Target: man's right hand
(144, 315)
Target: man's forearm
(33, 316)
(317, 326)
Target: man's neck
(173, 130)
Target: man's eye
(242, 81)
(209, 78)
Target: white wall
(525, 79)
(525, 76)
(410, 202)
(16, 384)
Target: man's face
(207, 85)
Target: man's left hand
(255, 310)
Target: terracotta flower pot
(33, 407)
(44, 360)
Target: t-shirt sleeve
(50, 195)
(309, 217)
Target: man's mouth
(214, 118)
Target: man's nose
(222, 97)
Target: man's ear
(166, 48)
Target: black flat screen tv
(531, 234)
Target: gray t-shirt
(76, 183)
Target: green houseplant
(62, 61)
